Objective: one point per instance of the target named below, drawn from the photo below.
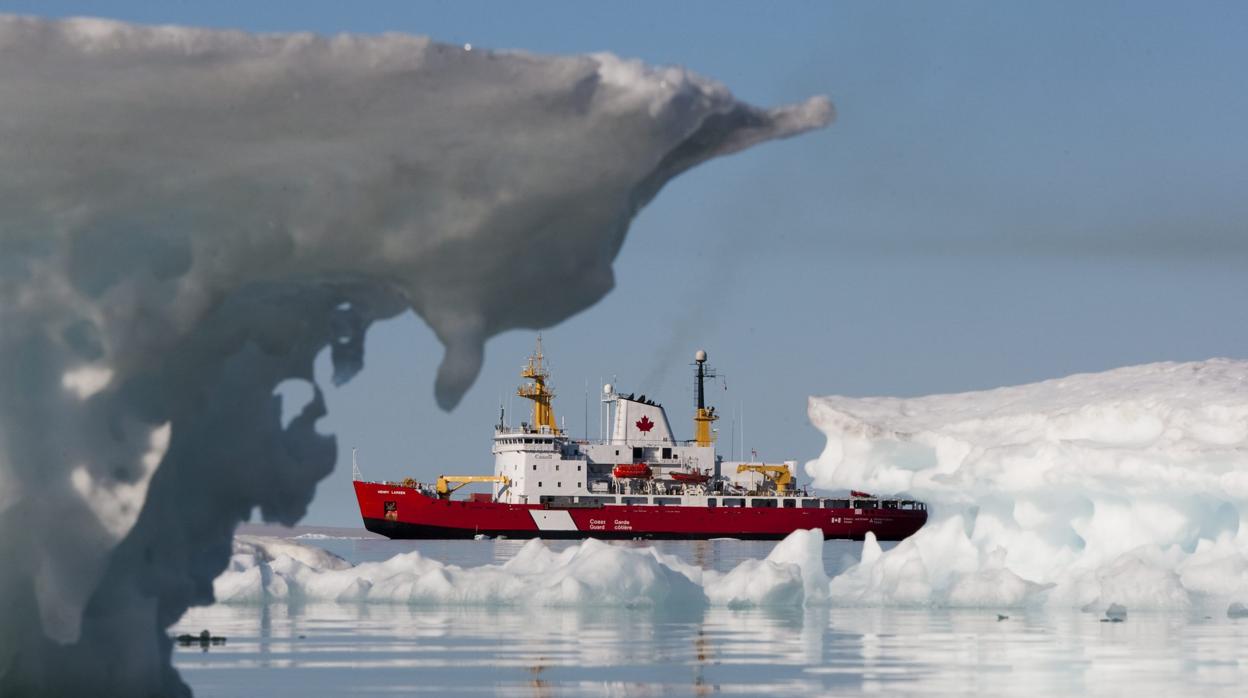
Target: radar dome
(607, 389)
(700, 356)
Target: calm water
(331, 650)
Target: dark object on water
(1116, 613)
(1002, 617)
(204, 639)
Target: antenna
(702, 417)
(743, 430)
(355, 468)
(605, 417)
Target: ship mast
(538, 391)
(703, 417)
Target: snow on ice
(593, 573)
(1128, 486)
(187, 217)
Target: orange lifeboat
(637, 470)
(690, 476)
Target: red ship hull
(403, 512)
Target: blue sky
(1012, 192)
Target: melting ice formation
(592, 573)
(1128, 486)
(188, 217)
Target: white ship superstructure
(537, 463)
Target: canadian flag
(644, 424)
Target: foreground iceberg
(590, 574)
(188, 217)
(1128, 486)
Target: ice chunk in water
(593, 573)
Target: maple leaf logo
(644, 423)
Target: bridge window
(810, 503)
(836, 504)
(790, 504)
(667, 453)
(637, 452)
(733, 502)
(764, 503)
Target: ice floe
(1128, 486)
(591, 573)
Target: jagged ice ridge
(592, 573)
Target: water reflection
(720, 555)
(336, 649)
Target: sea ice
(591, 574)
(188, 217)
(1125, 487)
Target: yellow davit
(779, 474)
(445, 488)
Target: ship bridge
(541, 463)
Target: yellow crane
(445, 488)
(779, 474)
